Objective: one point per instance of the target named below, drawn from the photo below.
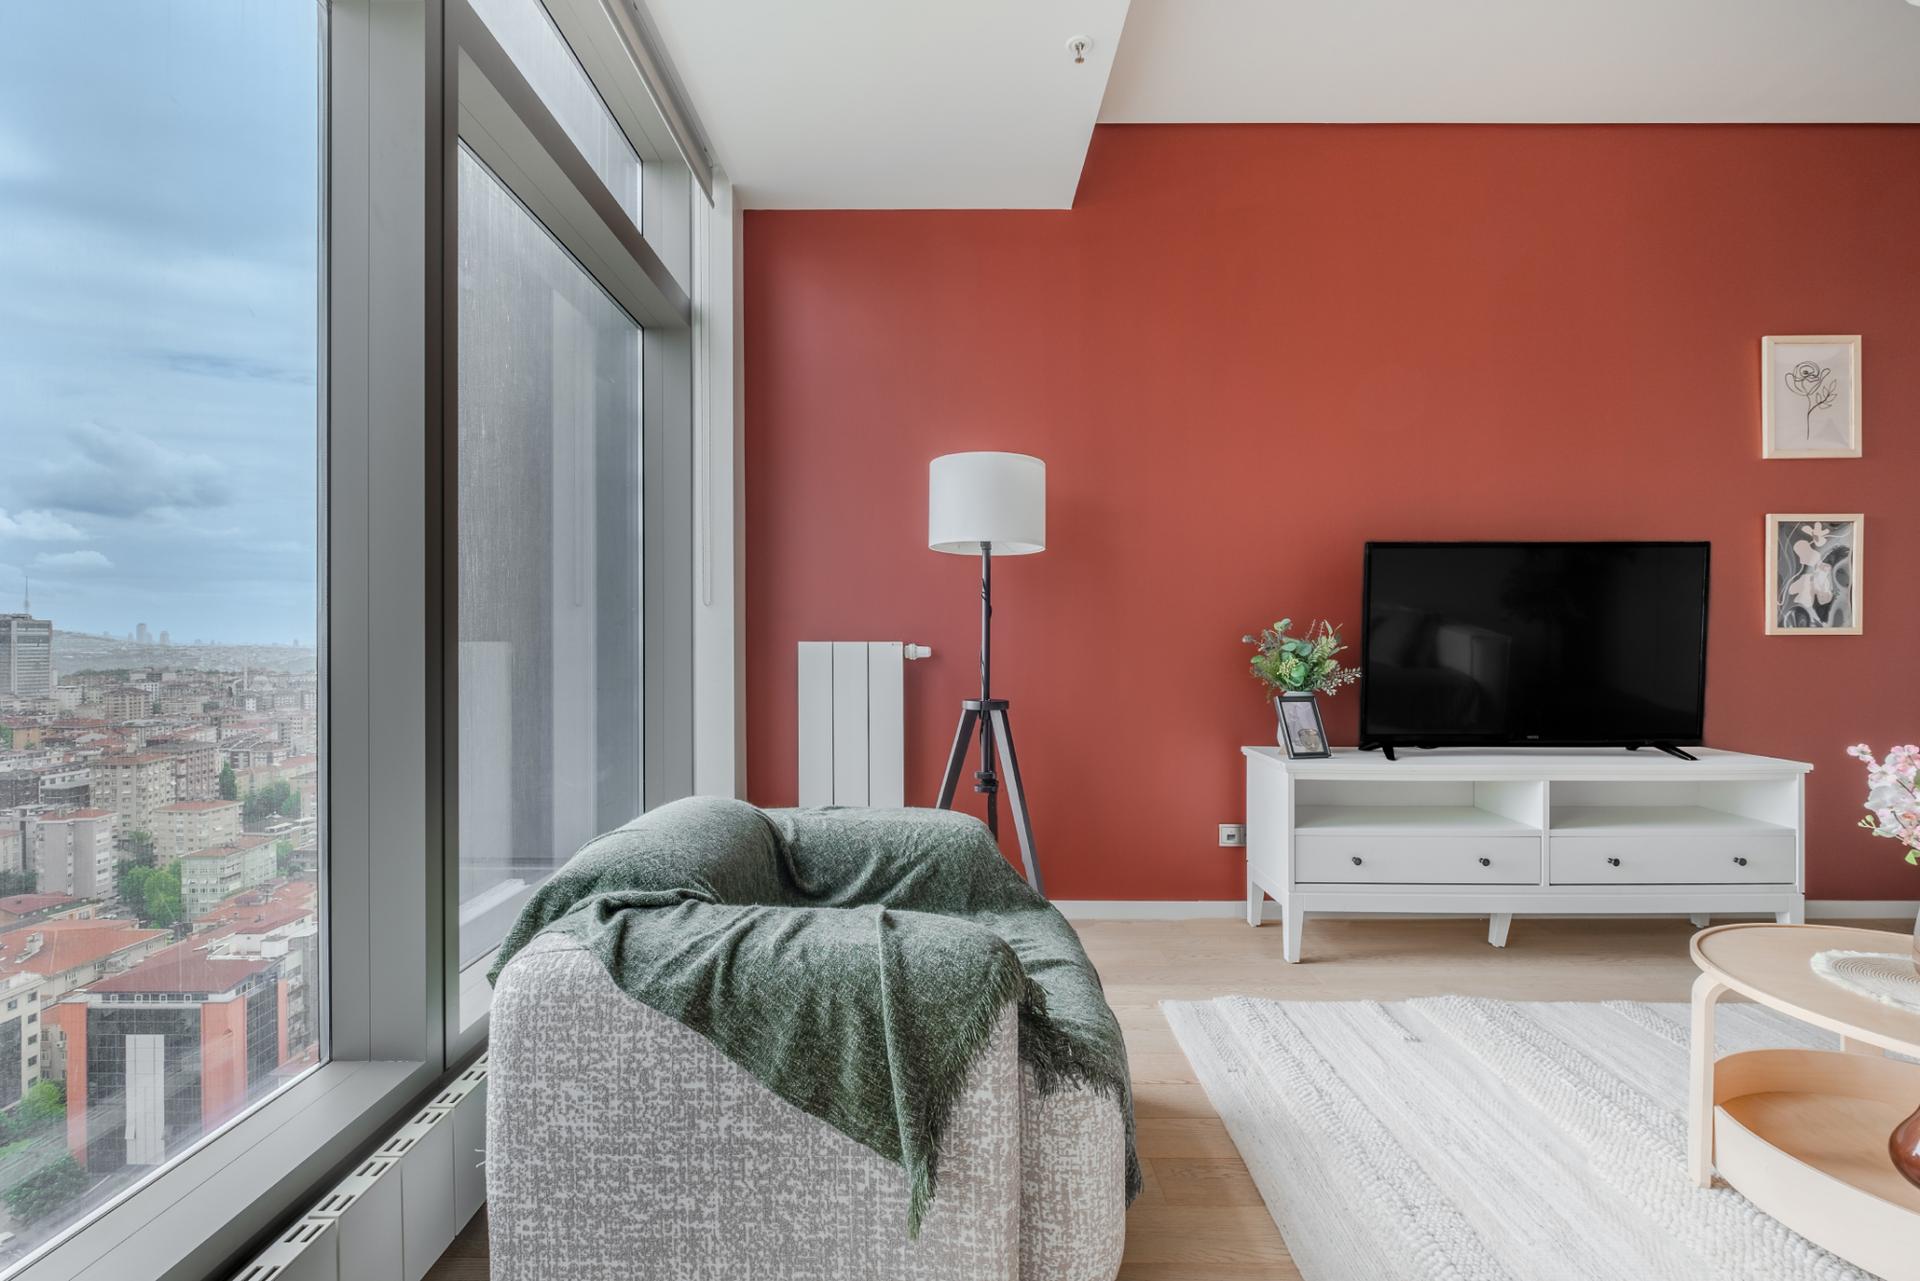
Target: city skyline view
(161, 922)
(158, 330)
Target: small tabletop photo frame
(1810, 396)
(1301, 731)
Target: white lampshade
(987, 498)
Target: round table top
(1773, 964)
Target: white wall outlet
(1234, 834)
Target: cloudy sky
(158, 266)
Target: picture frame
(1810, 396)
(1816, 574)
(1302, 732)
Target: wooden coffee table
(1803, 1133)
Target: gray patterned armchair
(622, 1145)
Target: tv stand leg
(1671, 750)
(1256, 900)
(1792, 916)
(1296, 926)
(1497, 926)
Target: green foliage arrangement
(45, 1190)
(1304, 664)
(229, 785)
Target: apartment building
(209, 876)
(135, 786)
(72, 851)
(186, 826)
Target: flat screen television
(1534, 645)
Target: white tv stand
(1545, 831)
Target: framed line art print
(1810, 396)
(1815, 583)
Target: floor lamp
(988, 504)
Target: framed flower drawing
(1810, 397)
(1814, 579)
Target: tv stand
(1541, 831)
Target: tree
(229, 785)
(44, 1104)
(151, 893)
(46, 1190)
(278, 799)
(140, 846)
(18, 882)
(283, 857)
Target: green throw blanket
(854, 961)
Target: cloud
(214, 365)
(85, 559)
(111, 471)
(36, 526)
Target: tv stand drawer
(1342, 859)
(1761, 859)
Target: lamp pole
(984, 780)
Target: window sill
(195, 1216)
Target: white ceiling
(881, 104)
(978, 104)
(1624, 61)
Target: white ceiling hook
(1081, 46)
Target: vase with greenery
(1300, 666)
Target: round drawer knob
(1613, 862)
(1486, 862)
(1356, 860)
(1739, 860)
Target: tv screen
(1534, 644)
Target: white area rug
(1476, 1140)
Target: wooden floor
(1200, 1216)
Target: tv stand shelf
(1551, 831)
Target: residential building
(72, 851)
(278, 921)
(12, 846)
(23, 734)
(162, 1053)
(186, 826)
(209, 876)
(68, 785)
(196, 770)
(19, 787)
(26, 655)
(135, 787)
(126, 703)
(40, 962)
(16, 908)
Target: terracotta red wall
(1247, 350)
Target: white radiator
(397, 1213)
(853, 721)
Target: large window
(569, 516)
(548, 557)
(160, 954)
